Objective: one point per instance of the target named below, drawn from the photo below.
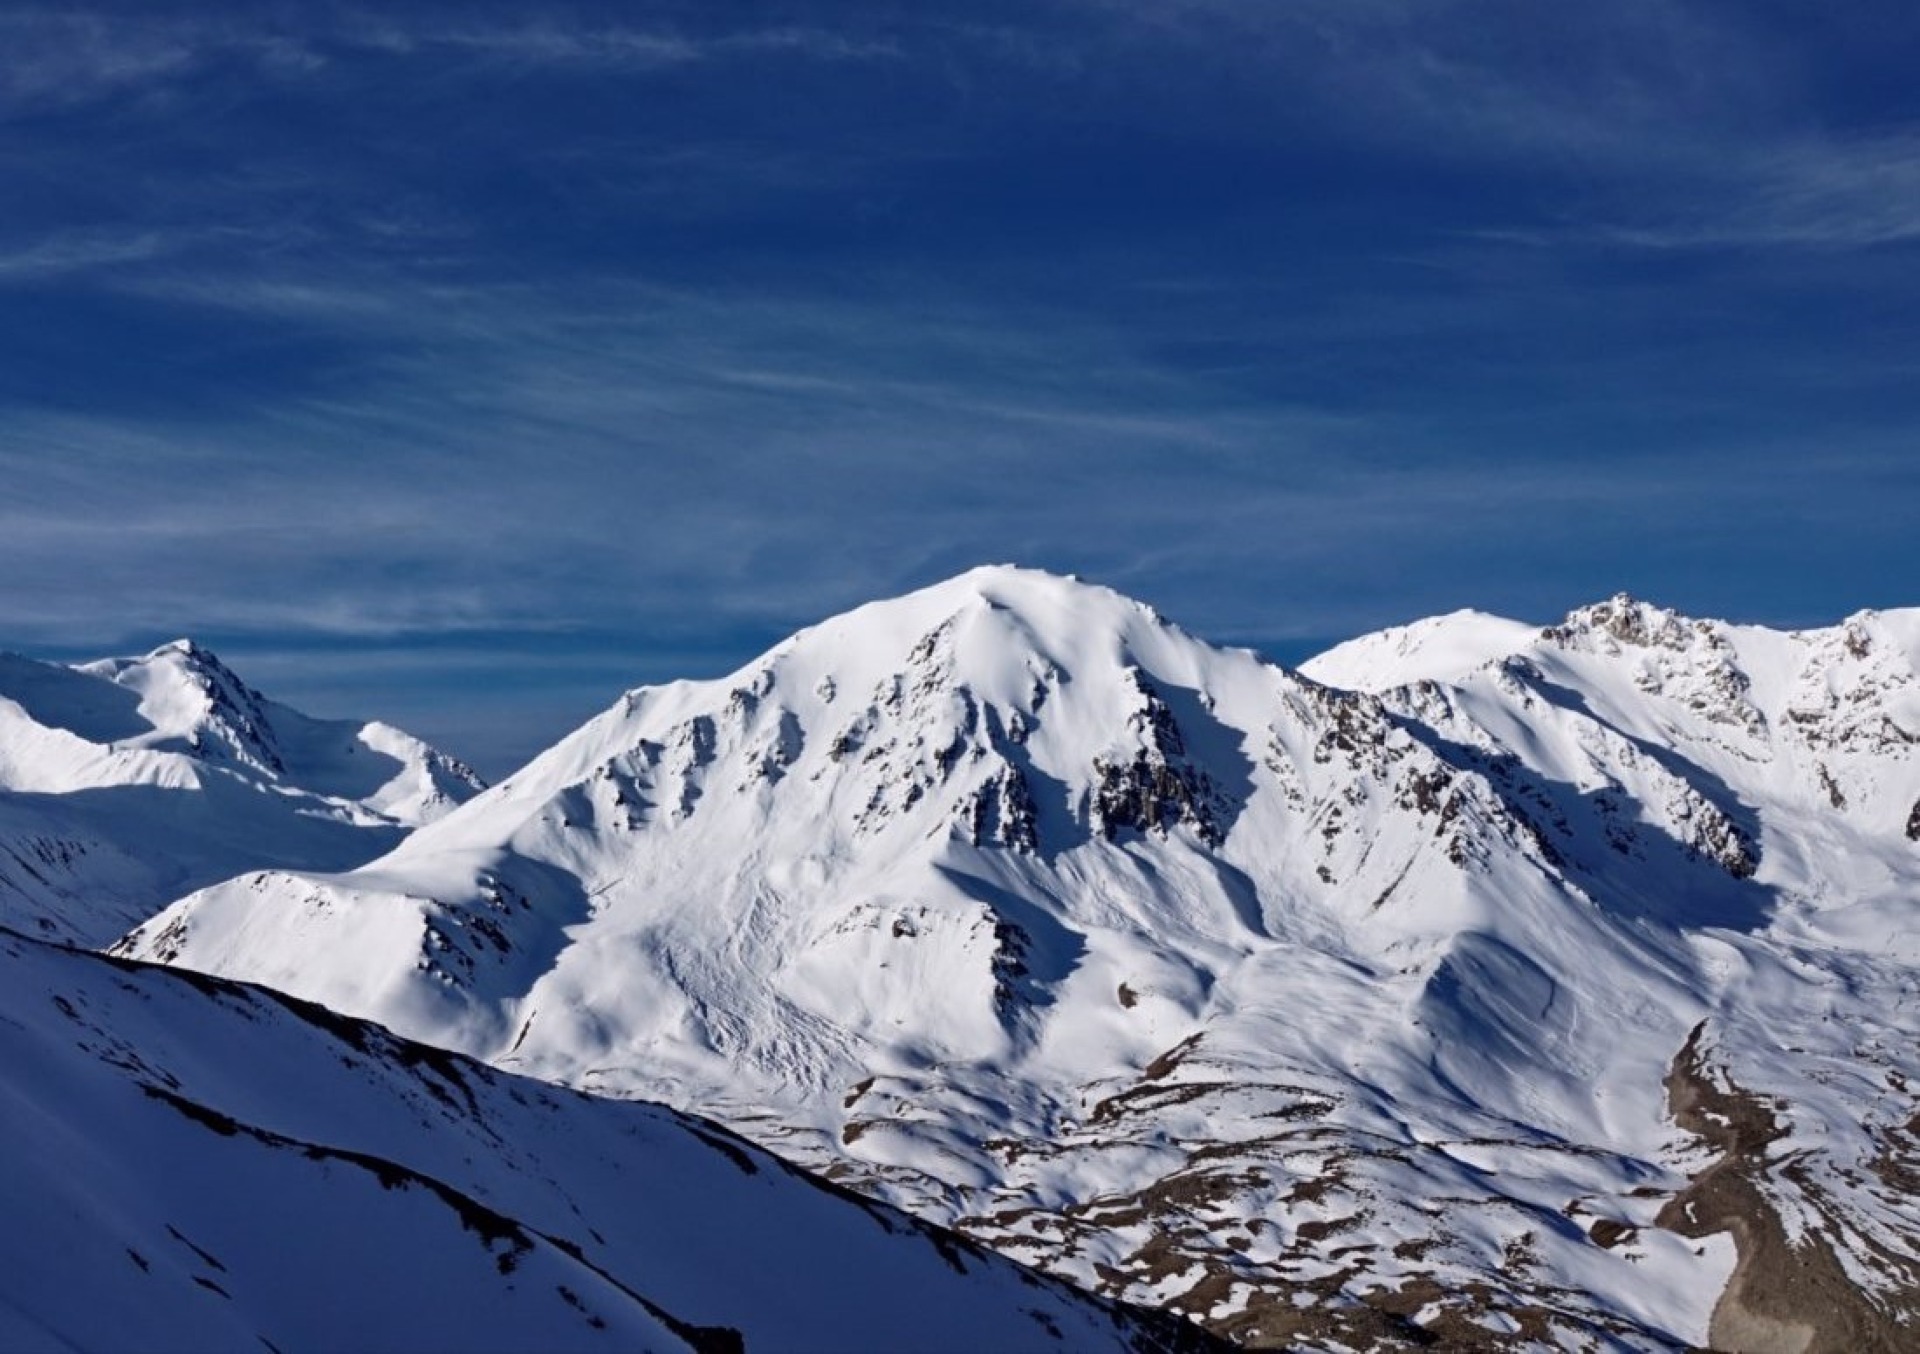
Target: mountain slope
(192, 1164)
(1316, 1014)
(126, 782)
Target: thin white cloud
(60, 56)
(1470, 80)
(1814, 194)
(513, 460)
(56, 57)
(1683, 127)
(82, 251)
(625, 456)
(549, 43)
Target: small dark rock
(1610, 1232)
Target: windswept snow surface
(126, 782)
(193, 1164)
(1325, 1016)
(1439, 649)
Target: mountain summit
(126, 781)
(1360, 1014)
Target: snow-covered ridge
(1203, 982)
(125, 781)
(194, 704)
(1789, 716)
(1437, 649)
(192, 1164)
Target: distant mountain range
(127, 782)
(1480, 985)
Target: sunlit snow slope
(1369, 1017)
(194, 1165)
(126, 782)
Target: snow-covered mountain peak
(1164, 965)
(190, 649)
(1624, 620)
(1437, 649)
(917, 765)
(127, 780)
(1745, 691)
(951, 696)
(985, 628)
(195, 704)
(1856, 689)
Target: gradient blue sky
(465, 366)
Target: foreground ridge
(193, 1163)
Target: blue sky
(465, 366)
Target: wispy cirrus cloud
(55, 56)
(1678, 127)
(626, 47)
(1651, 123)
(1477, 79)
(59, 56)
(1807, 193)
(82, 251)
(506, 458)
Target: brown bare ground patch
(1160, 1067)
(1782, 1298)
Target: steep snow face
(1317, 1014)
(191, 1164)
(126, 781)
